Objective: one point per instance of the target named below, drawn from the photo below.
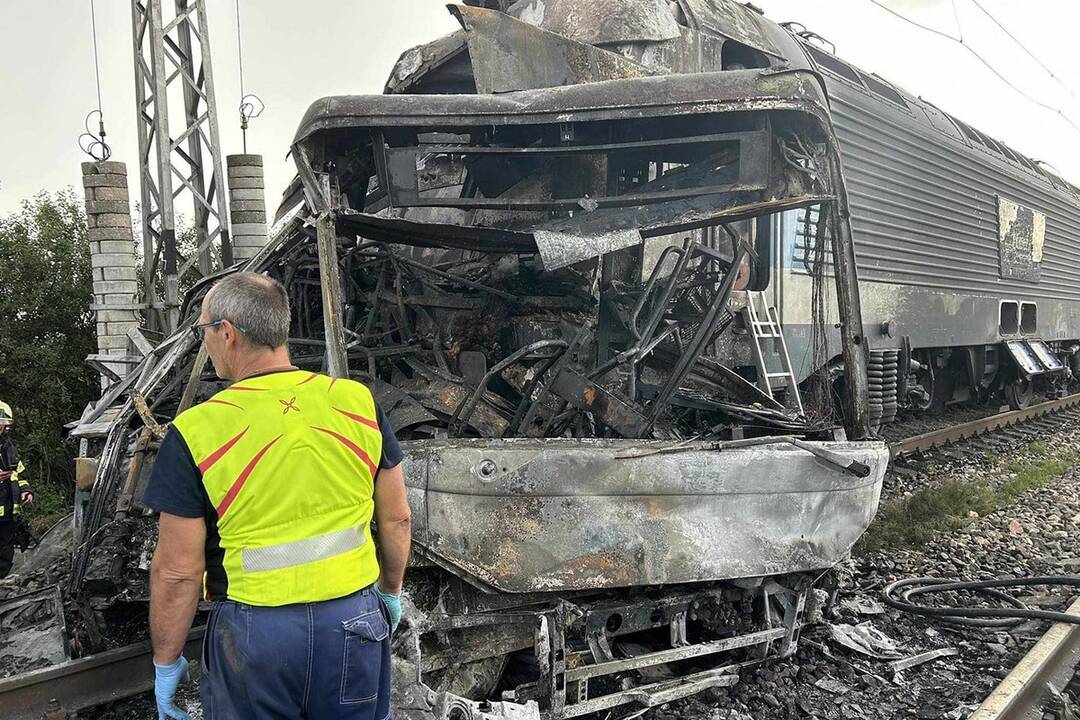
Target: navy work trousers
(319, 661)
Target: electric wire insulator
(93, 143)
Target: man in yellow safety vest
(266, 493)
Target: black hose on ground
(900, 594)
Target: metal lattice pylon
(175, 56)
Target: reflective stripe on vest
(300, 552)
(288, 462)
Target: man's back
(288, 461)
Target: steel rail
(79, 684)
(964, 431)
(1052, 661)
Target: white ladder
(765, 330)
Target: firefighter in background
(14, 489)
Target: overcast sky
(296, 52)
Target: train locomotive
(963, 247)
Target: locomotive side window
(805, 246)
(1010, 154)
(825, 61)
(942, 122)
(883, 91)
(994, 146)
(1027, 163)
(736, 56)
(798, 245)
(970, 133)
(1009, 318)
(1058, 182)
(1029, 318)
(985, 140)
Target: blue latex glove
(166, 680)
(393, 604)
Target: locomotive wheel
(1019, 394)
(941, 391)
(925, 378)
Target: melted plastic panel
(527, 516)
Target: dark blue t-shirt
(176, 485)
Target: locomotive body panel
(524, 515)
(924, 191)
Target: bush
(46, 332)
(913, 520)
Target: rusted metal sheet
(608, 408)
(545, 515)
(509, 54)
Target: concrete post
(112, 257)
(247, 205)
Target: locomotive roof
(893, 95)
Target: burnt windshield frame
(751, 152)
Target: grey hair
(258, 304)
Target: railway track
(1054, 662)
(1025, 693)
(966, 431)
(59, 690)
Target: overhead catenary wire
(975, 53)
(1023, 47)
(956, 15)
(91, 143)
(251, 105)
(97, 61)
(240, 48)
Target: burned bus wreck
(555, 282)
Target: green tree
(46, 332)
